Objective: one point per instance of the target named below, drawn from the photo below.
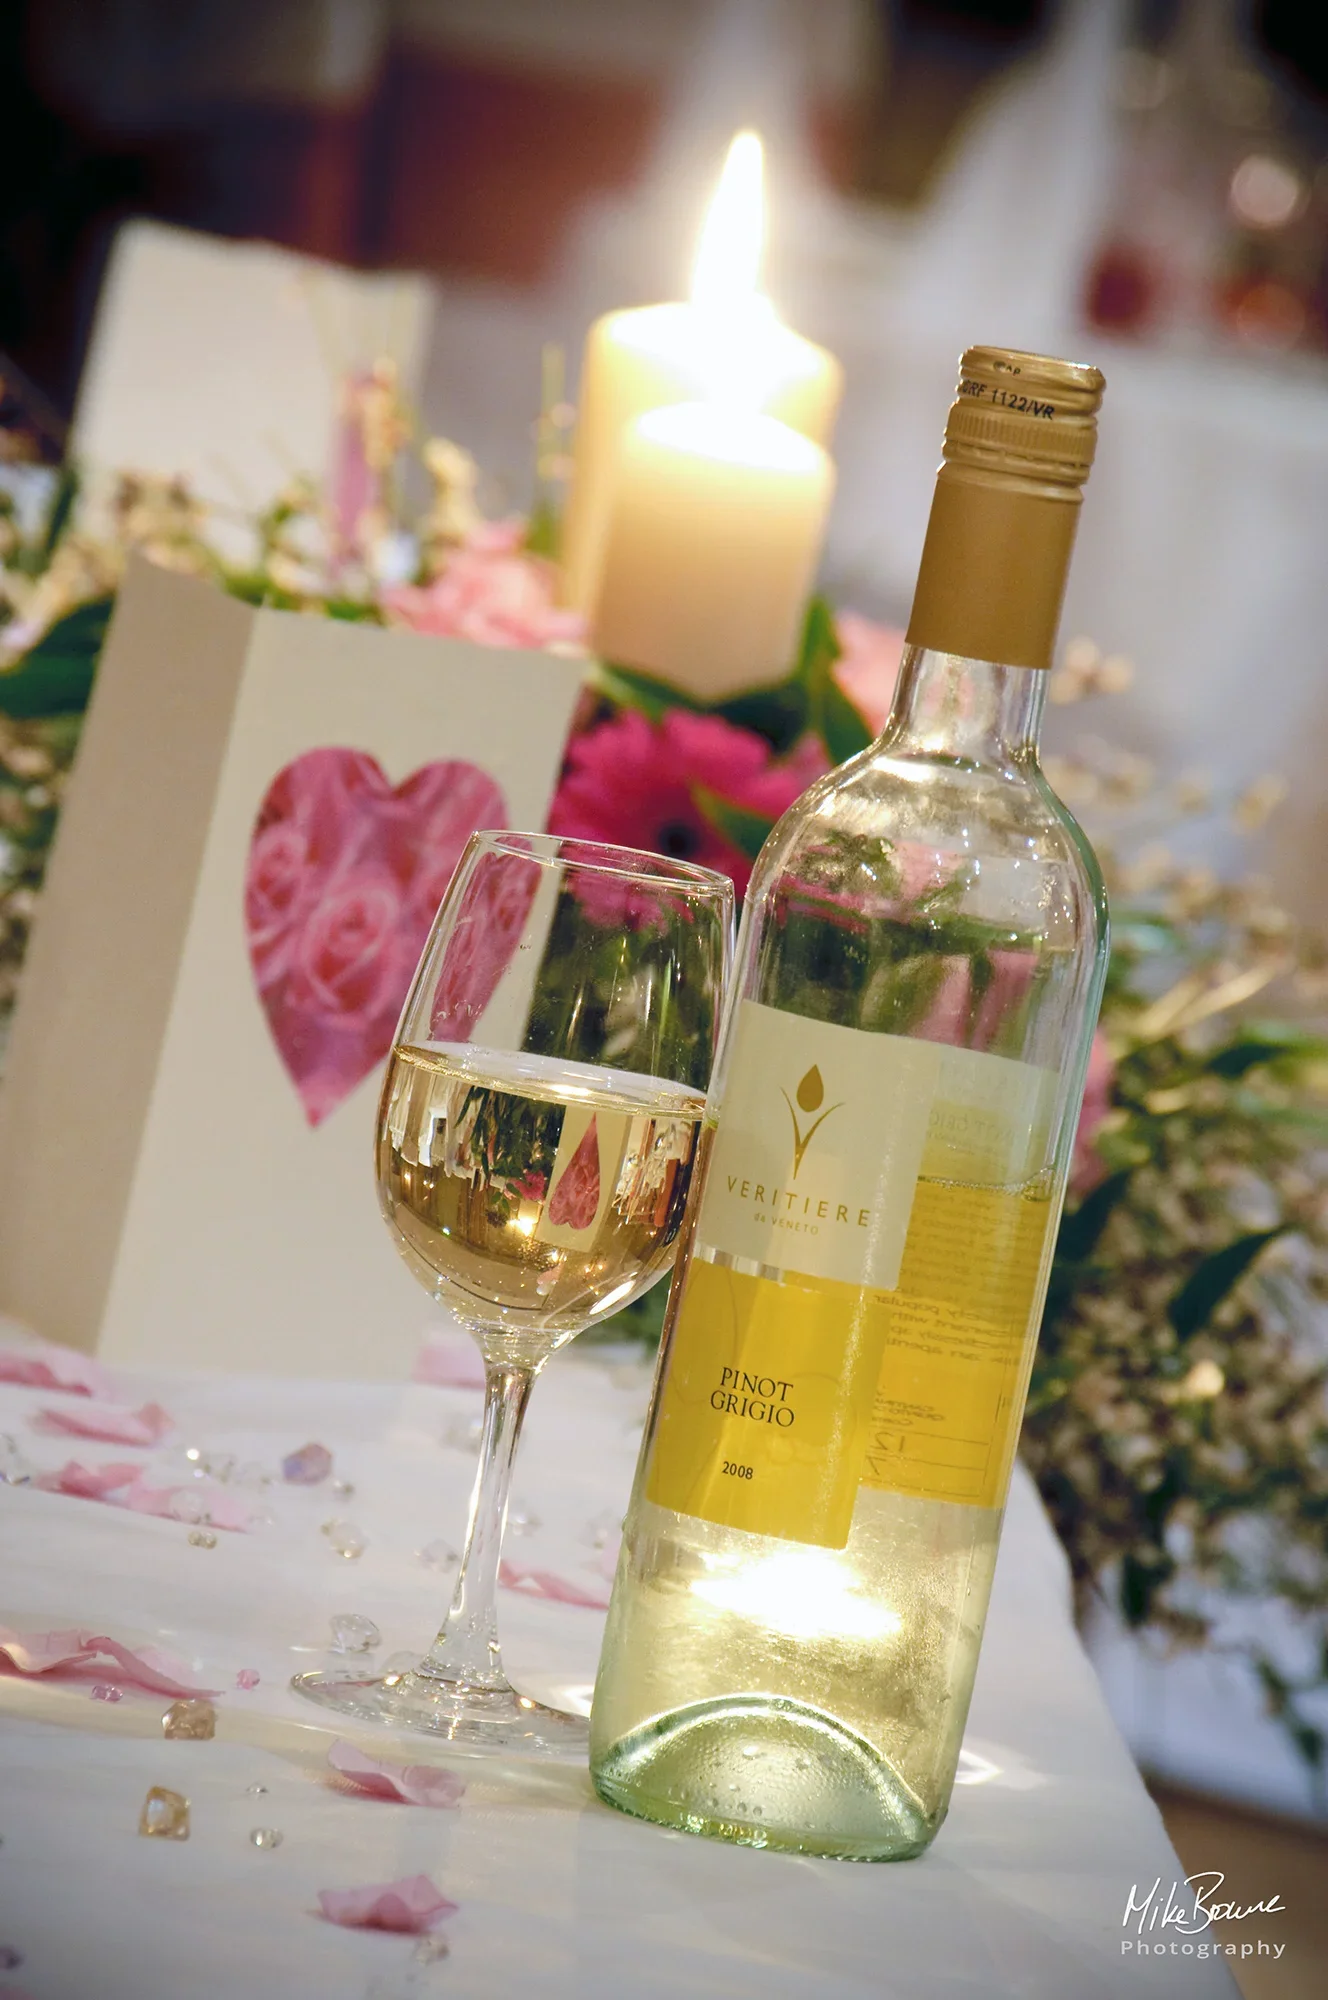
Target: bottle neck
(971, 712)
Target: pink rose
(868, 666)
(346, 962)
(277, 893)
(489, 591)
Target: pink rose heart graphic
(344, 878)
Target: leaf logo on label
(811, 1095)
(576, 1197)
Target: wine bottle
(809, 1549)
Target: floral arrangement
(1177, 1424)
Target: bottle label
(866, 1263)
(819, 1143)
(959, 1332)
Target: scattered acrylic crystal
(248, 1677)
(521, 1521)
(437, 1555)
(307, 1466)
(266, 1836)
(256, 1791)
(187, 1506)
(106, 1691)
(251, 1473)
(430, 1949)
(346, 1539)
(14, 1467)
(193, 1721)
(353, 1634)
(201, 1538)
(220, 1465)
(10, 1959)
(343, 1488)
(165, 1815)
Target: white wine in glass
(539, 1131)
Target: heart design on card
(344, 877)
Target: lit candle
(711, 549)
(728, 339)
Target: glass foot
(479, 1721)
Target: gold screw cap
(1025, 414)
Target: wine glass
(538, 1132)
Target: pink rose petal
(449, 1361)
(412, 1904)
(544, 1583)
(87, 1482)
(412, 1784)
(109, 1423)
(77, 1647)
(40, 1364)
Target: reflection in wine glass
(539, 1133)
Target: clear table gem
(266, 1836)
(106, 1691)
(353, 1634)
(192, 1721)
(430, 1949)
(437, 1555)
(346, 1539)
(202, 1538)
(248, 1677)
(165, 1815)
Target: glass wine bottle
(809, 1549)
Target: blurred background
(1140, 183)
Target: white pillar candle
(727, 343)
(711, 548)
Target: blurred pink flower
(490, 591)
(345, 874)
(635, 783)
(1087, 1167)
(868, 666)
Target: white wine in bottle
(809, 1550)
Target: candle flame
(728, 256)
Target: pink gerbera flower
(640, 784)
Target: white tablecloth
(1023, 1893)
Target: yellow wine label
(880, 1209)
(959, 1332)
(819, 1144)
(767, 1407)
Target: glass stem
(467, 1648)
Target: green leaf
(1139, 1584)
(780, 713)
(1268, 1042)
(829, 711)
(62, 508)
(55, 676)
(630, 689)
(744, 830)
(1215, 1278)
(1081, 1230)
